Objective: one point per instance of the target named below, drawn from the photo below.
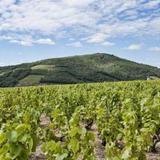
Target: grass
(30, 80)
(43, 67)
(1, 74)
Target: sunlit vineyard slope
(119, 121)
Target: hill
(97, 67)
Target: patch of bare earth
(44, 120)
(153, 156)
(38, 154)
(99, 148)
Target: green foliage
(77, 69)
(30, 80)
(12, 77)
(126, 116)
(16, 142)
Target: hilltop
(97, 67)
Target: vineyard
(105, 121)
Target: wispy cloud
(108, 44)
(75, 44)
(94, 21)
(134, 47)
(25, 40)
(152, 4)
(97, 38)
(155, 49)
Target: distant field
(1, 74)
(30, 80)
(43, 67)
(112, 121)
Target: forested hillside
(77, 69)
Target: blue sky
(31, 30)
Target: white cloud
(25, 40)
(30, 42)
(44, 41)
(108, 44)
(21, 42)
(4, 4)
(75, 44)
(155, 49)
(152, 4)
(155, 25)
(93, 20)
(97, 38)
(134, 47)
(76, 3)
